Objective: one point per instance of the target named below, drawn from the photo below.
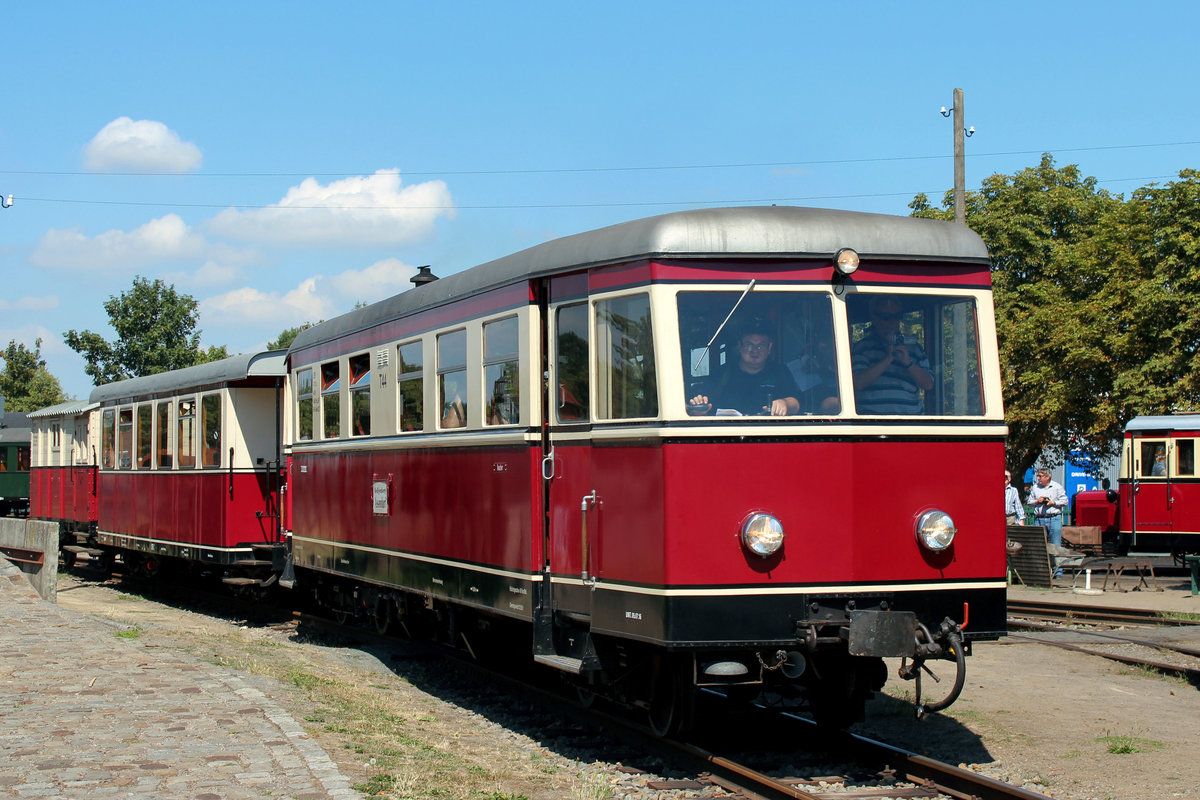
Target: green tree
(1095, 304)
(288, 335)
(156, 332)
(25, 383)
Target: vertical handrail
(588, 501)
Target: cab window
(1152, 458)
(626, 376)
(1185, 457)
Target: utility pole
(960, 170)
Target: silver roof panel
(734, 233)
(227, 370)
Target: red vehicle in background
(1156, 506)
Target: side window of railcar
(144, 432)
(1185, 457)
(915, 354)
(304, 407)
(360, 395)
(501, 372)
(22, 458)
(210, 427)
(331, 400)
(1152, 458)
(162, 427)
(627, 383)
(452, 379)
(125, 438)
(185, 439)
(740, 354)
(571, 362)
(108, 439)
(410, 378)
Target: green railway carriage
(14, 465)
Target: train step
(80, 550)
(565, 663)
(250, 563)
(242, 581)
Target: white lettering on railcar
(518, 590)
(633, 615)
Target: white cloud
(382, 279)
(30, 303)
(254, 306)
(141, 146)
(211, 274)
(166, 239)
(371, 210)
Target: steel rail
(1092, 613)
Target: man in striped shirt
(890, 369)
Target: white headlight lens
(845, 261)
(935, 530)
(762, 535)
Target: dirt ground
(1064, 724)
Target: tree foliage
(1097, 304)
(25, 383)
(156, 331)
(288, 335)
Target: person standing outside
(1049, 500)
(1014, 511)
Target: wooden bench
(1115, 569)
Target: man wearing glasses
(751, 387)
(890, 369)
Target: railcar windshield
(914, 354)
(774, 355)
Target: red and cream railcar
(522, 440)
(63, 477)
(1156, 507)
(189, 467)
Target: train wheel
(672, 700)
(383, 615)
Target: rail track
(1023, 616)
(884, 770)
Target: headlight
(935, 530)
(762, 535)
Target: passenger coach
(63, 478)
(561, 438)
(189, 468)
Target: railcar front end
(668, 449)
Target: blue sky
(282, 161)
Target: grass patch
(1124, 745)
(129, 633)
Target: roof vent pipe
(423, 276)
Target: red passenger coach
(62, 485)
(1156, 507)
(748, 449)
(189, 466)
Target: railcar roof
(71, 408)
(734, 233)
(1165, 422)
(227, 370)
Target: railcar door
(1151, 485)
(570, 522)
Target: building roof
(71, 408)
(770, 232)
